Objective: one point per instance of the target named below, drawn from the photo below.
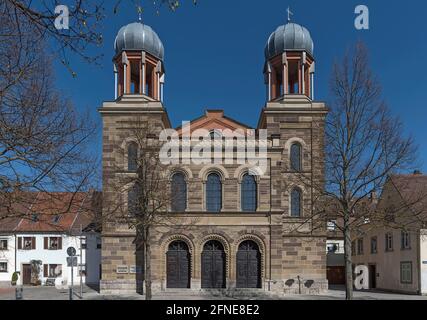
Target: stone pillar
(115, 82)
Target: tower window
(296, 202)
(132, 157)
(296, 163)
(134, 77)
(133, 200)
(293, 77)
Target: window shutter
(60, 243)
(33, 243)
(45, 270)
(46, 243)
(19, 243)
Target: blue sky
(214, 56)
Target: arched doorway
(248, 265)
(213, 266)
(178, 266)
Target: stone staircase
(239, 294)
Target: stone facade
(291, 262)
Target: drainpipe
(419, 262)
(269, 283)
(16, 251)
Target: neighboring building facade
(57, 221)
(335, 262)
(7, 251)
(396, 254)
(244, 234)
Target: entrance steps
(220, 293)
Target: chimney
(417, 173)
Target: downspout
(269, 283)
(419, 262)
(16, 251)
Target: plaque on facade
(122, 269)
(135, 269)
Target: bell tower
(138, 88)
(290, 66)
(138, 62)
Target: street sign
(71, 251)
(73, 260)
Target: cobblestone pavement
(51, 293)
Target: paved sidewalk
(52, 293)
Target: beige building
(244, 235)
(396, 254)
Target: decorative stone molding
(180, 169)
(244, 169)
(261, 247)
(215, 168)
(225, 244)
(164, 249)
(291, 141)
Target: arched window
(213, 193)
(133, 200)
(296, 152)
(132, 157)
(179, 193)
(296, 202)
(249, 193)
(215, 134)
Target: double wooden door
(178, 266)
(248, 266)
(213, 266)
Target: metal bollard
(19, 293)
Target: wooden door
(213, 266)
(336, 275)
(248, 265)
(178, 266)
(26, 274)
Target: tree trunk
(348, 264)
(148, 294)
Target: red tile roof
(51, 212)
(413, 189)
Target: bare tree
(42, 137)
(364, 146)
(141, 195)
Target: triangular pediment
(215, 120)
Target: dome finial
(290, 13)
(140, 10)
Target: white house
(7, 258)
(37, 242)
